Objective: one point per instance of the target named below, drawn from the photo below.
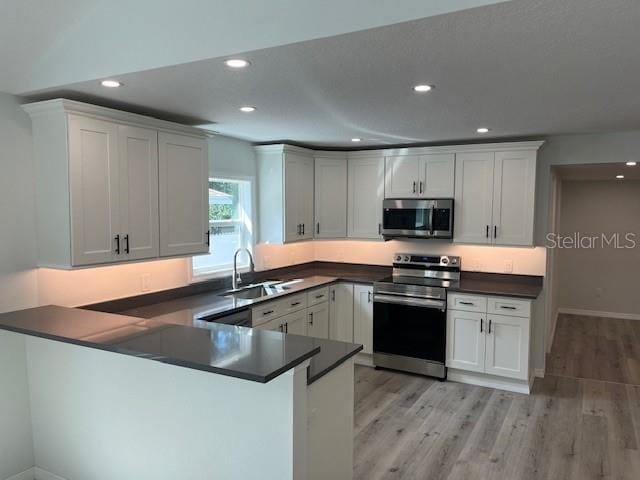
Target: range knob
(406, 258)
(398, 258)
(444, 260)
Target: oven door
(409, 333)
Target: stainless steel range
(410, 313)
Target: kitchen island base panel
(99, 415)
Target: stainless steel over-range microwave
(417, 218)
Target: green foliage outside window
(225, 211)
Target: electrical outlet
(508, 266)
(145, 282)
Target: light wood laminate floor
(596, 348)
(411, 427)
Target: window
(230, 224)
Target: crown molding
(64, 105)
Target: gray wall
(18, 282)
(602, 278)
(578, 149)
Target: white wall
(18, 281)
(16, 446)
(603, 278)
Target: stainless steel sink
(260, 290)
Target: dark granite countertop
(505, 285)
(234, 351)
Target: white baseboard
(28, 474)
(41, 474)
(491, 381)
(596, 313)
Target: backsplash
(517, 260)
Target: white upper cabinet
(365, 195)
(285, 193)
(330, 197)
(514, 182)
(473, 197)
(437, 175)
(402, 176)
(94, 183)
(494, 193)
(104, 191)
(419, 176)
(184, 194)
(138, 152)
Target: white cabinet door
(94, 189)
(138, 151)
(305, 180)
(363, 317)
(466, 340)
(341, 312)
(275, 325)
(295, 323)
(298, 197)
(473, 197)
(401, 176)
(437, 176)
(365, 196)
(507, 346)
(513, 197)
(330, 198)
(318, 321)
(184, 194)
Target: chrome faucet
(236, 279)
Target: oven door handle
(412, 301)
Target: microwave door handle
(431, 219)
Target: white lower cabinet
(489, 343)
(465, 340)
(507, 353)
(363, 317)
(341, 312)
(295, 323)
(318, 321)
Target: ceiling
(600, 171)
(524, 68)
(51, 43)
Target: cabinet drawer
(266, 312)
(294, 303)
(509, 306)
(318, 295)
(466, 303)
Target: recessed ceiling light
(619, 176)
(483, 130)
(356, 139)
(423, 88)
(110, 83)
(236, 63)
(247, 109)
(632, 164)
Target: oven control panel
(426, 260)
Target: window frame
(194, 277)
